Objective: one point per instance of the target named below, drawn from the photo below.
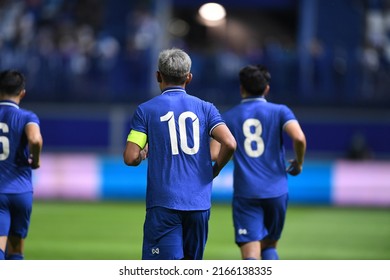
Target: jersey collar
(249, 99)
(173, 89)
(9, 103)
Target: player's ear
(22, 93)
(266, 91)
(158, 76)
(189, 78)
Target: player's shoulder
(196, 101)
(17, 110)
(275, 104)
(282, 112)
(151, 103)
(28, 112)
(278, 106)
(195, 98)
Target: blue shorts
(174, 235)
(259, 219)
(15, 213)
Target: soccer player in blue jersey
(173, 131)
(260, 194)
(20, 148)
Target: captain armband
(138, 138)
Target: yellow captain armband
(138, 138)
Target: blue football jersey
(178, 127)
(15, 171)
(259, 160)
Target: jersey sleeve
(138, 130)
(215, 118)
(286, 116)
(138, 122)
(31, 118)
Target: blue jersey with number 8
(259, 160)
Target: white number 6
(4, 141)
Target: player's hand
(294, 168)
(34, 164)
(216, 170)
(144, 152)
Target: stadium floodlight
(212, 14)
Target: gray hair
(174, 65)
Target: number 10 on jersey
(170, 118)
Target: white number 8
(253, 136)
(4, 141)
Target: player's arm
(294, 131)
(136, 148)
(35, 143)
(228, 145)
(215, 147)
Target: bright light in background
(212, 11)
(212, 14)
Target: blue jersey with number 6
(15, 171)
(178, 127)
(259, 161)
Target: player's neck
(165, 86)
(14, 99)
(246, 96)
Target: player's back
(15, 174)
(179, 162)
(259, 160)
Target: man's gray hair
(174, 63)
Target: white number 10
(4, 141)
(170, 118)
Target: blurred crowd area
(100, 51)
(70, 52)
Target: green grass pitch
(113, 231)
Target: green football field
(113, 231)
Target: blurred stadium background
(89, 63)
